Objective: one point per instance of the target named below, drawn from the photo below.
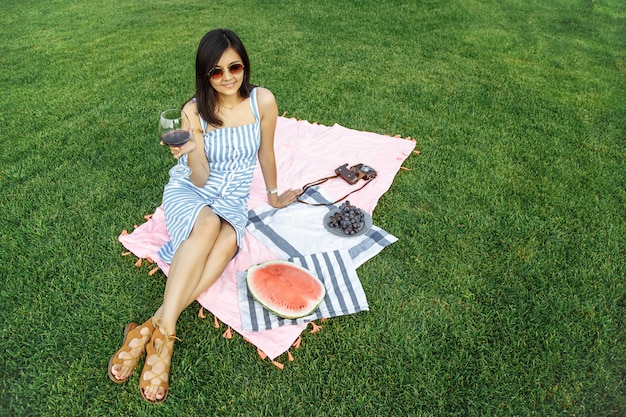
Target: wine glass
(175, 130)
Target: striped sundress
(232, 156)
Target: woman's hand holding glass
(178, 151)
(175, 131)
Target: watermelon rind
(312, 305)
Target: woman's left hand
(286, 198)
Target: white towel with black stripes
(297, 234)
(298, 229)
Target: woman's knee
(228, 239)
(207, 224)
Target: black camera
(364, 171)
(354, 173)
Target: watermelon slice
(285, 289)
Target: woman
(233, 124)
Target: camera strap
(323, 180)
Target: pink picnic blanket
(305, 152)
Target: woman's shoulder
(264, 96)
(190, 107)
(265, 100)
(191, 110)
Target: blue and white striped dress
(232, 156)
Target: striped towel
(344, 293)
(296, 233)
(298, 230)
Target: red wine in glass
(176, 137)
(175, 130)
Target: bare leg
(224, 249)
(198, 262)
(187, 267)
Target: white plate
(367, 224)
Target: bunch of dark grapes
(348, 219)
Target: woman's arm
(196, 157)
(267, 159)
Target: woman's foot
(124, 362)
(154, 381)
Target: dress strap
(203, 123)
(255, 105)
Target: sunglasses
(217, 73)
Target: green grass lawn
(505, 294)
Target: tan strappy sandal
(133, 348)
(157, 367)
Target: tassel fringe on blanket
(228, 334)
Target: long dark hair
(211, 48)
